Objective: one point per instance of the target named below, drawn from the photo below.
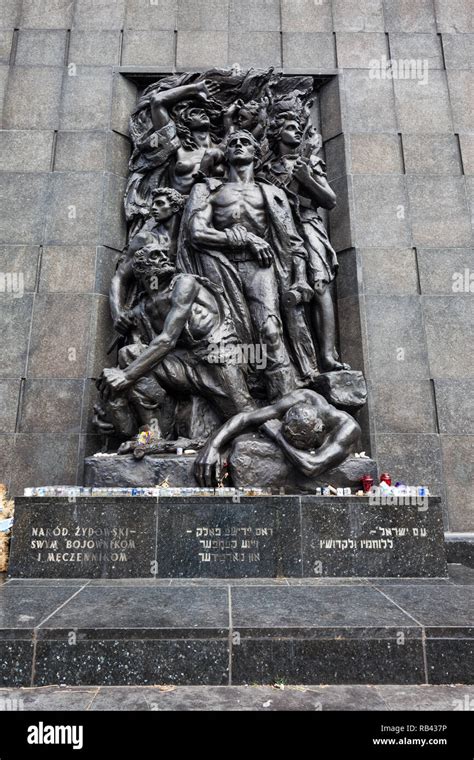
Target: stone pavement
(240, 698)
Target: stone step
(460, 548)
(293, 697)
(231, 632)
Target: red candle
(385, 477)
(367, 483)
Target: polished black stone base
(216, 537)
(460, 548)
(219, 632)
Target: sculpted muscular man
(179, 319)
(239, 220)
(311, 433)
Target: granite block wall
(399, 151)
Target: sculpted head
(302, 427)
(165, 203)
(285, 129)
(151, 261)
(241, 147)
(191, 116)
(196, 118)
(290, 133)
(247, 115)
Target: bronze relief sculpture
(223, 298)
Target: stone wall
(399, 154)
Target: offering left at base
(73, 492)
(7, 509)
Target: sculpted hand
(116, 378)
(208, 466)
(237, 236)
(124, 322)
(126, 447)
(100, 422)
(260, 249)
(235, 106)
(207, 89)
(302, 171)
(320, 286)
(306, 290)
(230, 111)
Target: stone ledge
(460, 548)
(253, 460)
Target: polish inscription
(82, 544)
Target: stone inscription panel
(216, 537)
(250, 538)
(362, 539)
(109, 538)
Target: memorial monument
(227, 386)
(236, 290)
(223, 299)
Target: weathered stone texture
(357, 51)
(363, 16)
(51, 406)
(407, 16)
(161, 14)
(305, 50)
(26, 150)
(305, 16)
(94, 48)
(47, 14)
(32, 98)
(41, 48)
(205, 14)
(142, 48)
(254, 15)
(376, 154)
(458, 458)
(260, 49)
(418, 46)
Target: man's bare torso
(203, 317)
(240, 203)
